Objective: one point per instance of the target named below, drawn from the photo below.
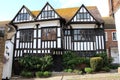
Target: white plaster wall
(83, 25)
(7, 67)
(117, 22)
(26, 25)
(49, 23)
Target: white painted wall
(83, 26)
(7, 67)
(117, 22)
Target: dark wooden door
(57, 63)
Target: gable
(47, 13)
(83, 15)
(23, 15)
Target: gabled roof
(51, 8)
(29, 12)
(109, 22)
(68, 13)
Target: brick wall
(2, 46)
(110, 42)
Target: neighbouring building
(2, 45)
(52, 31)
(6, 48)
(111, 39)
(114, 6)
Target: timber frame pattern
(54, 40)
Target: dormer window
(82, 15)
(23, 16)
(48, 14)
(2, 32)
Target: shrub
(47, 74)
(96, 63)
(43, 74)
(113, 66)
(26, 74)
(65, 70)
(73, 61)
(106, 61)
(46, 62)
(31, 63)
(83, 60)
(39, 74)
(69, 59)
(107, 69)
(70, 70)
(77, 71)
(88, 70)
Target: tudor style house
(53, 31)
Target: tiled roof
(109, 23)
(3, 23)
(68, 13)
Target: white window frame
(106, 36)
(112, 36)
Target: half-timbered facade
(49, 30)
(53, 31)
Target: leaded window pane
(26, 35)
(48, 33)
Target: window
(114, 37)
(2, 31)
(48, 33)
(67, 32)
(83, 35)
(82, 15)
(106, 38)
(23, 16)
(48, 14)
(26, 35)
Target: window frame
(82, 16)
(47, 14)
(106, 36)
(113, 36)
(23, 16)
(26, 35)
(85, 37)
(44, 37)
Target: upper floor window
(48, 33)
(48, 14)
(26, 35)
(23, 16)
(2, 32)
(82, 15)
(106, 37)
(114, 37)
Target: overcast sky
(9, 8)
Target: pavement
(113, 75)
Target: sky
(9, 8)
